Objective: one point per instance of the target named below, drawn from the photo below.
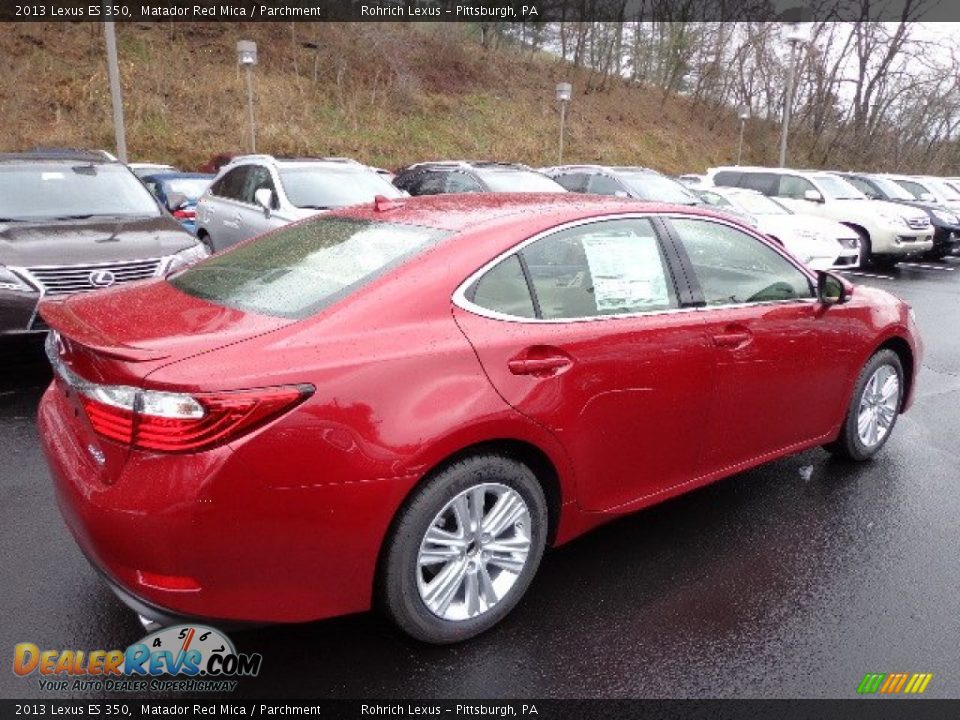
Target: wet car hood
(70, 242)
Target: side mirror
(831, 289)
(264, 198)
(812, 196)
(175, 201)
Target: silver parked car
(257, 193)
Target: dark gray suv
(75, 221)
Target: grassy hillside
(387, 94)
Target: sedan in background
(635, 182)
(461, 176)
(179, 193)
(257, 193)
(822, 244)
(403, 404)
(73, 221)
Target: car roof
(463, 211)
(613, 169)
(295, 161)
(59, 155)
(161, 177)
(466, 165)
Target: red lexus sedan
(402, 404)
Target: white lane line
(866, 275)
(923, 266)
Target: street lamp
(247, 58)
(116, 99)
(743, 112)
(797, 34)
(564, 93)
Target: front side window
(459, 182)
(838, 188)
(604, 268)
(429, 183)
(231, 185)
(258, 179)
(604, 185)
(735, 268)
(794, 187)
(765, 183)
(300, 269)
(574, 182)
(914, 188)
(72, 190)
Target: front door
(780, 365)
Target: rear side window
(765, 183)
(300, 269)
(504, 289)
(604, 268)
(727, 178)
(459, 182)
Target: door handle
(733, 337)
(540, 362)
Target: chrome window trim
(461, 301)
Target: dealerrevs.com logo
(894, 683)
(183, 658)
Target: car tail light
(185, 214)
(176, 422)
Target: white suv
(257, 193)
(888, 232)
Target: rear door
(586, 331)
(253, 219)
(220, 212)
(781, 362)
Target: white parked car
(820, 243)
(930, 189)
(256, 193)
(888, 232)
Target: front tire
(874, 408)
(464, 549)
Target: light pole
(797, 36)
(113, 71)
(247, 58)
(564, 93)
(743, 112)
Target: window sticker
(627, 272)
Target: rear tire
(476, 529)
(874, 408)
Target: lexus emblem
(102, 278)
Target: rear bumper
(238, 548)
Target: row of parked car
(73, 221)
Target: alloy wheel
(473, 551)
(879, 403)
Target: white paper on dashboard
(627, 272)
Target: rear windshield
(300, 269)
(53, 190)
(324, 188)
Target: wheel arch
(904, 351)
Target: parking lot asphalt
(791, 580)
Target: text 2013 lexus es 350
(404, 403)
